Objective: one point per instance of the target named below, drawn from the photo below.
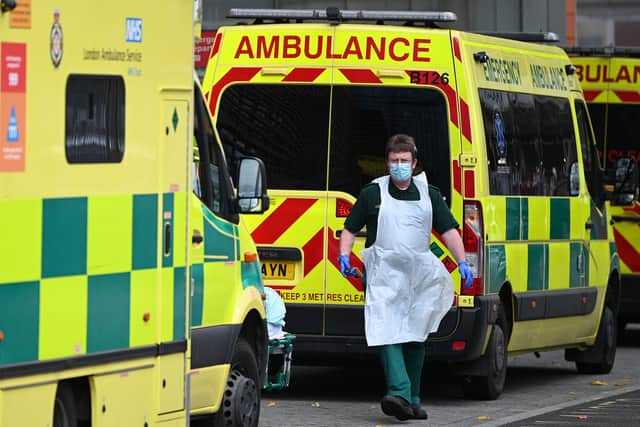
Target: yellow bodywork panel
(204, 397)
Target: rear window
(530, 143)
(287, 126)
(290, 128)
(363, 120)
(616, 130)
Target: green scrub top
(365, 211)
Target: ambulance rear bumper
(467, 339)
(468, 325)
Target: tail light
(343, 207)
(472, 233)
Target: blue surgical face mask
(400, 171)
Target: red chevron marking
(628, 254)
(360, 75)
(590, 95)
(627, 95)
(457, 177)
(334, 252)
(303, 74)
(313, 252)
(237, 74)
(281, 219)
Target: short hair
(401, 143)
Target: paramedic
(408, 290)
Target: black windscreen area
(623, 121)
(363, 119)
(287, 126)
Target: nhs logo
(134, 30)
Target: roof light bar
(547, 37)
(344, 15)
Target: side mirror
(252, 195)
(625, 181)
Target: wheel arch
(254, 330)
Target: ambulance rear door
(386, 80)
(269, 90)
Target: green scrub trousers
(402, 365)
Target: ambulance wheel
(489, 387)
(604, 348)
(64, 409)
(241, 399)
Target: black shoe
(418, 412)
(397, 407)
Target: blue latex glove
(465, 273)
(345, 265)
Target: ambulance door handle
(588, 225)
(167, 238)
(197, 238)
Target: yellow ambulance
(130, 291)
(610, 79)
(502, 130)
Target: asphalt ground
(620, 410)
(346, 396)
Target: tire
(604, 349)
(241, 400)
(490, 386)
(65, 413)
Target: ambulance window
(214, 186)
(598, 112)
(362, 120)
(622, 132)
(94, 119)
(284, 125)
(591, 164)
(530, 143)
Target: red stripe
(280, 220)
(456, 48)
(469, 184)
(333, 251)
(457, 177)
(466, 122)
(450, 94)
(628, 95)
(590, 95)
(627, 252)
(303, 74)
(216, 45)
(282, 287)
(239, 74)
(313, 252)
(360, 75)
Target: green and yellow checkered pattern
(79, 275)
(530, 240)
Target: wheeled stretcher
(279, 365)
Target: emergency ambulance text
(322, 46)
(502, 71)
(548, 77)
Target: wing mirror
(252, 195)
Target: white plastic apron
(408, 289)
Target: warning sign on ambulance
(13, 85)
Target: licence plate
(278, 270)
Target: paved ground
(349, 396)
(621, 410)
